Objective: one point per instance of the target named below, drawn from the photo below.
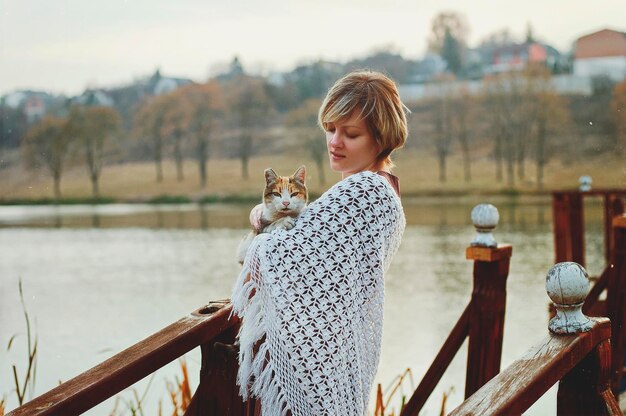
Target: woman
(311, 298)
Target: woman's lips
(336, 156)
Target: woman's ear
(300, 174)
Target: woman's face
(351, 147)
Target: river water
(98, 279)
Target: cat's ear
(270, 176)
(300, 174)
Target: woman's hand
(255, 217)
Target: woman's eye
(276, 194)
(295, 194)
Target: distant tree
(452, 52)
(441, 118)
(546, 114)
(303, 121)
(618, 109)
(175, 121)
(448, 38)
(149, 122)
(250, 108)
(463, 108)
(48, 143)
(206, 107)
(94, 128)
(500, 101)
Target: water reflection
(115, 274)
(524, 214)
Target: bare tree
(149, 122)
(462, 107)
(546, 114)
(206, 107)
(441, 117)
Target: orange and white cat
(284, 198)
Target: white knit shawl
(316, 312)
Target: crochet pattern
(311, 299)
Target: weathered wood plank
(488, 254)
(131, 365)
(516, 388)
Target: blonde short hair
(376, 97)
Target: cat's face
(285, 195)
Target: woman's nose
(335, 140)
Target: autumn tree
(303, 121)
(618, 109)
(47, 143)
(250, 110)
(94, 129)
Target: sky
(65, 46)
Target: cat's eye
(295, 194)
(276, 194)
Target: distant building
(33, 104)
(34, 108)
(515, 57)
(601, 53)
(158, 84)
(95, 98)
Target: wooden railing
(208, 327)
(482, 320)
(569, 223)
(576, 354)
(569, 245)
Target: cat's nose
(286, 203)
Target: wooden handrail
(482, 322)
(515, 389)
(108, 378)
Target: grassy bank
(418, 172)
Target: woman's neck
(374, 167)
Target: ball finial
(485, 218)
(585, 183)
(567, 285)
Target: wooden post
(218, 394)
(569, 228)
(616, 300)
(488, 303)
(613, 207)
(585, 390)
